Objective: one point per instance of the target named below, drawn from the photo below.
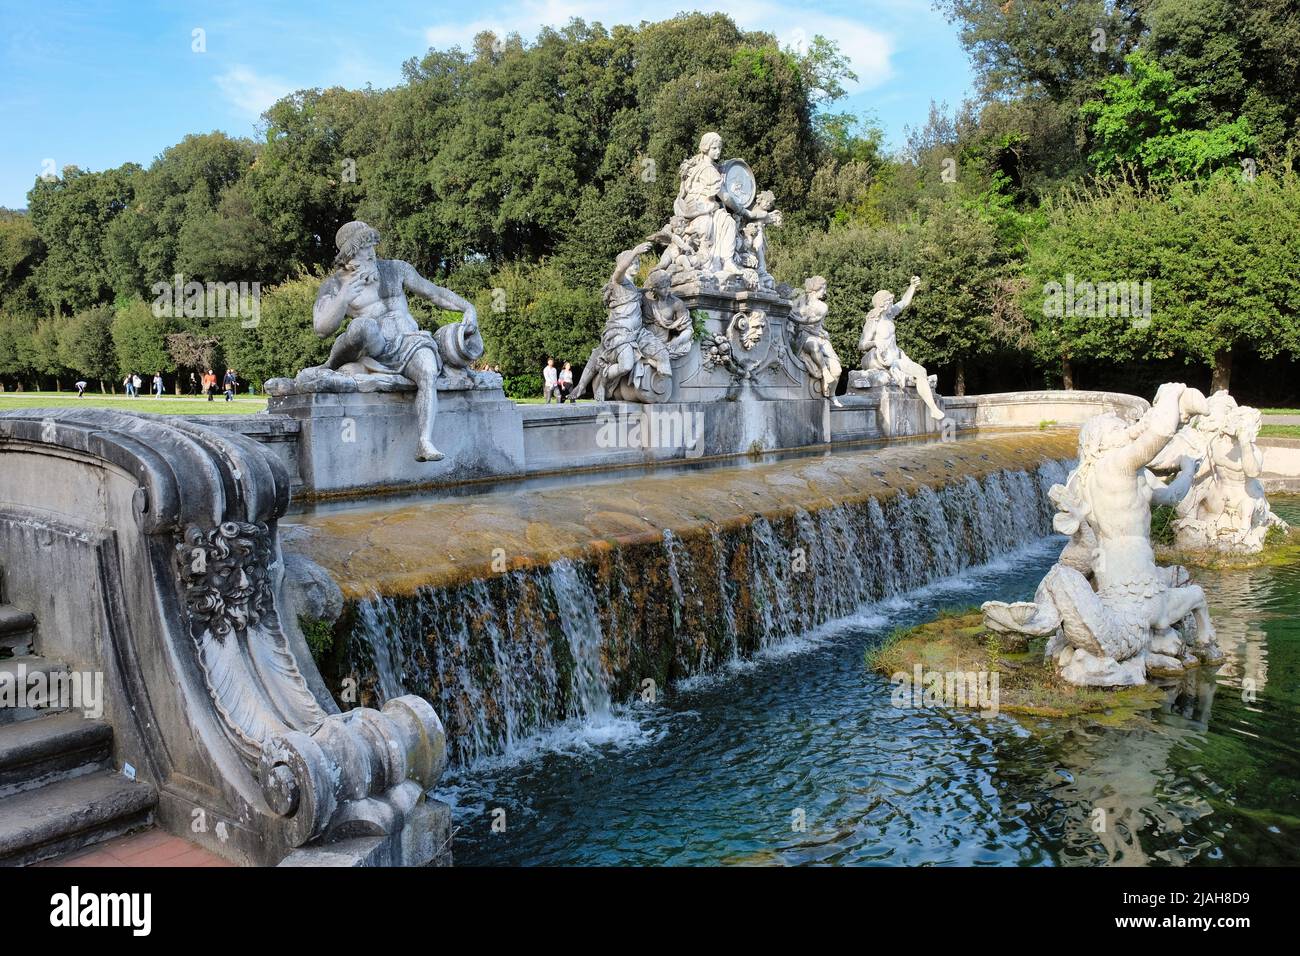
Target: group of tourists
(557, 382)
(205, 385)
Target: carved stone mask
(226, 575)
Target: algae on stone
(958, 642)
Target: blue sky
(99, 84)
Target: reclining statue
(1113, 616)
(382, 337)
(645, 330)
(811, 342)
(1226, 509)
(881, 354)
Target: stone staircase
(58, 789)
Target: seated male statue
(382, 336)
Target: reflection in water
(726, 770)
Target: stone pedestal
(352, 441)
(745, 351)
(899, 411)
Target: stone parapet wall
(362, 443)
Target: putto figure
(382, 337)
(645, 330)
(811, 342)
(1226, 509)
(880, 351)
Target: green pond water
(800, 758)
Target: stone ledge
(319, 380)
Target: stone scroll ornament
(1112, 616)
(328, 776)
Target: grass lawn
(168, 405)
(1280, 411)
(1279, 431)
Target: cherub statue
(757, 219)
(681, 256)
(811, 343)
(1225, 509)
(879, 345)
(382, 337)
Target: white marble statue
(811, 342)
(717, 235)
(882, 359)
(752, 253)
(645, 330)
(1226, 509)
(382, 338)
(1114, 616)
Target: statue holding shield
(723, 223)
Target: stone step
(11, 669)
(52, 747)
(16, 631)
(68, 815)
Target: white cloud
(250, 92)
(868, 49)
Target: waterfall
(505, 656)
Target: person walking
(81, 388)
(158, 384)
(135, 385)
(194, 384)
(566, 384)
(126, 383)
(550, 380)
(209, 383)
(230, 383)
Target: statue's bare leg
(422, 369)
(917, 374)
(830, 373)
(623, 364)
(361, 338)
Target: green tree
(1244, 60)
(184, 185)
(140, 338)
(311, 172)
(281, 341)
(21, 251)
(85, 344)
(1144, 118)
(71, 215)
(16, 332)
(1220, 258)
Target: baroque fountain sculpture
(1113, 617)
(711, 320)
(883, 362)
(1225, 510)
(383, 348)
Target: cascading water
(504, 657)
